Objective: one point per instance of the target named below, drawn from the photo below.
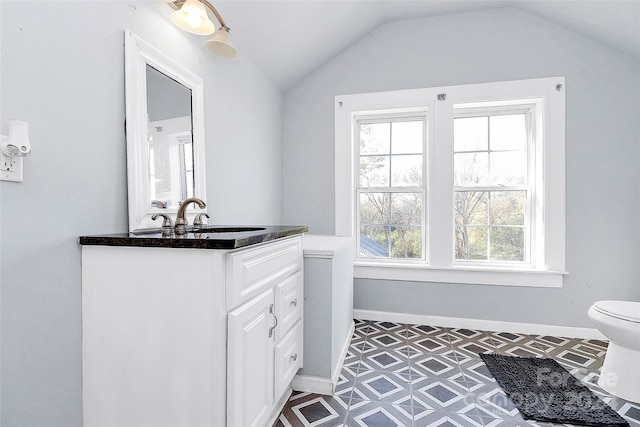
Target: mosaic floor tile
(422, 375)
(441, 394)
(368, 346)
(380, 359)
(518, 345)
(378, 414)
(499, 338)
(363, 327)
(352, 360)
(381, 386)
(308, 409)
(345, 384)
(430, 344)
(387, 340)
(358, 337)
(459, 334)
(573, 358)
(389, 327)
(475, 369)
(428, 418)
(491, 399)
(434, 366)
(468, 348)
(360, 322)
(426, 330)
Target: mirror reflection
(165, 134)
(169, 130)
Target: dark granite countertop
(210, 237)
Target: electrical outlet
(10, 168)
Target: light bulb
(193, 20)
(192, 17)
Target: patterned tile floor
(418, 375)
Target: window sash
(390, 117)
(493, 109)
(423, 215)
(526, 226)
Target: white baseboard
(484, 325)
(311, 384)
(343, 353)
(322, 385)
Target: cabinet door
(288, 354)
(250, 362)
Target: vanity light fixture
(12, 149)
(191, 16)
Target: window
(491, 164)
(457, 184)
(390, 190)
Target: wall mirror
(165, 134)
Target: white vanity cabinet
(264, 330)
(180, 336)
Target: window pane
(374, 171)
(508, 168)
(406, 137)
(472, 207)
(508, 132)
(507, 207)
(406, 171)
(374, 208)
(471, 169)
(507, 244)
(406, 242)
(406, 209)
(471, 243)
(470, 134)
(374, 138)
(374, 241)
(189, 184)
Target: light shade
(192, 17)
(220, 44)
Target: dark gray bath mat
(543, 390)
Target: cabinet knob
(294, 302)
(294, 357)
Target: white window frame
(528, 107)
(548, 255)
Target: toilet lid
(625, 310)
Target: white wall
(602, 146)
(63, 71)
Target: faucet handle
(167, 227)
(197, 221)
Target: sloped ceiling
(289, 39)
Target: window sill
(459, 274)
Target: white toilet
(619, 321)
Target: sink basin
(229, 229)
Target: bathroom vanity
(204, 329)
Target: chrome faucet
(181, 222)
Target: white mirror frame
(138, 54)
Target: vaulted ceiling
(289, 39)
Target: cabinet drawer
(289, 300)
(251, 271)
(288, 358)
